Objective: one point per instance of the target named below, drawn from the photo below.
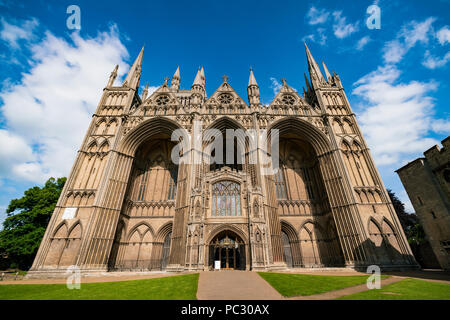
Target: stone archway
(229, 249)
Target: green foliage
(182, 287)
(305, 284)
(27, 220)
(409, 221)
(408, 289)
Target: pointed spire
(145, 92)
(251, 79)
(175, 83)
(198, 78)
(313, 67)
(133, 76)
(113, 76)
(253, 90)
(203, 76)
(308, 87)
(327, 73)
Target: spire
(133, 76)
(308, 87)
(198, 78)
(112, 77)
(313, 67)
(203, 76)
(251, 79)
(145, 92)
(253, 90)
(175, 83)
(327, 73)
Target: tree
(27, 220)
(409, 221)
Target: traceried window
(280, 185)
(226, 199)
(225, 98)
(288, 100)
(162, 100)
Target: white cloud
(441, 126)
(443, 35)
(47, 113)
(276, 85)
(395, 117)
(317, 16)
(432, 62)
(341, 28)
(319, 37)
(13, 33)
(409, 35)
(362, 42)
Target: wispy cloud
(341, 28)
(317, 16)
(410, 34)
(405, 108)
(47, 112)
(362, 43)
(432, 62)
(443, 35)
(12, 33)
(275, 85)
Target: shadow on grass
(290, 285)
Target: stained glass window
(226, 199)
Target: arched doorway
(287, 251)
(228, 248)
(166, 251)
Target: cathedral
(128, 206)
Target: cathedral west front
(128, 206)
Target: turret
(175, 83)
(112, 77)
(253, 90)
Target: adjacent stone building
(427, 182)
(128, 206)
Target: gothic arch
(163, 232)
(135, 228)
(224, 227)
(146, 130)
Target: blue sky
(396, 78)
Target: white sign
(69, 213)
(217, 264)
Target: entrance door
(166, 251)
(227, 248)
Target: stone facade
(127, 206)
(427, 182)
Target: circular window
(225, 98)
(162, 100)
(288, 100)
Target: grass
(305, 285)
(183, 287)
(408, 289)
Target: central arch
(228, 250)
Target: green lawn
(304, 284)
(408, 289)
(183, 287)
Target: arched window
(226, 199)
(280, 185)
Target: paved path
(234, 285)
